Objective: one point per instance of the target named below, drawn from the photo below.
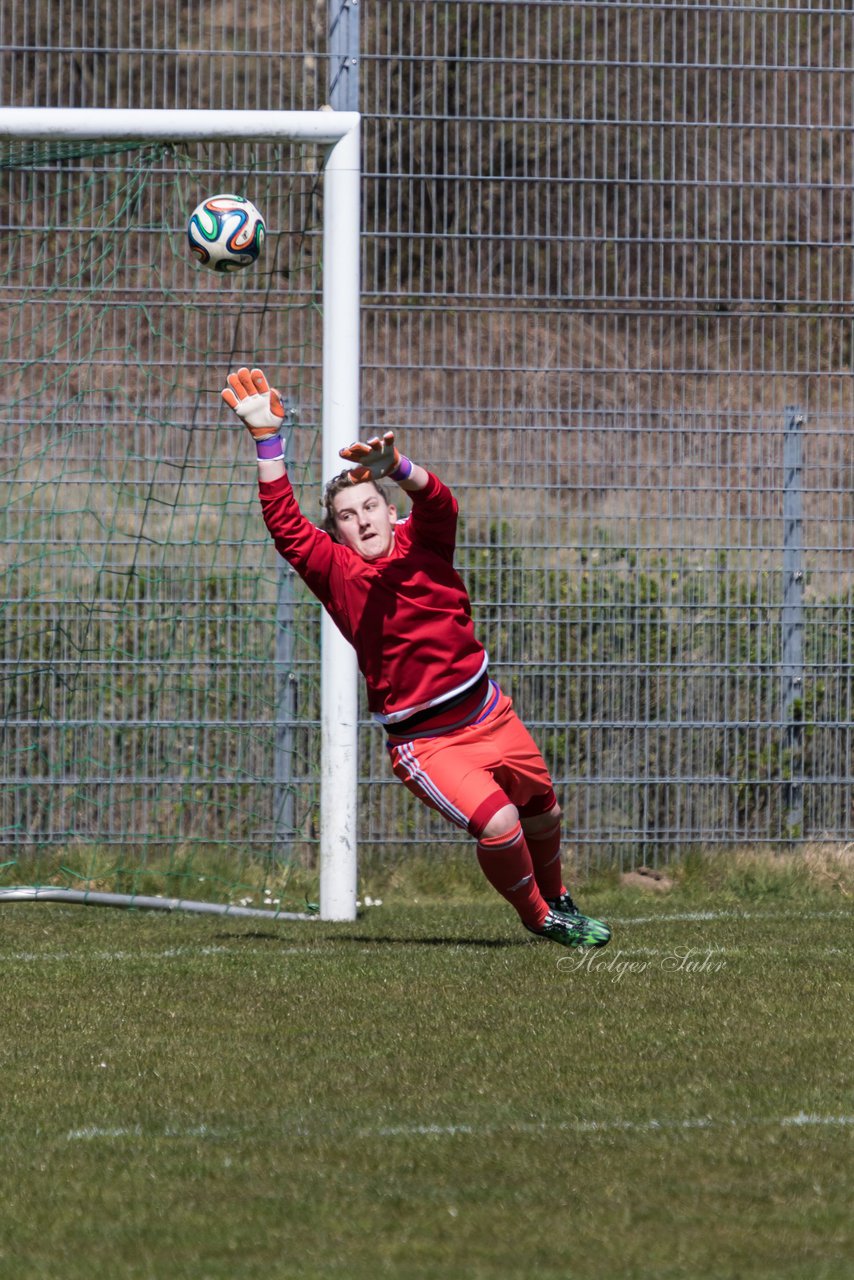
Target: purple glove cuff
(270, 449)
(402, 471)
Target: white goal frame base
(338, 131)
(143, 902)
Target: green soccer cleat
(572, 929)
(564, 905)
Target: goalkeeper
(390, 586)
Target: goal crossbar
(144, 124)
(338, 131)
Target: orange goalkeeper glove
(376, 459)
(260, 406)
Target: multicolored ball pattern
(226, 232)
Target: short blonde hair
(337, 485)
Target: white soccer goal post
(339, 133)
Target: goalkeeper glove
(260, 406)
(376, 459)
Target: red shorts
(472, 772)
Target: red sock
(506, 863)
(544, 847)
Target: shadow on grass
(374, 940)
(408, 941)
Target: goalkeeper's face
(364, 521)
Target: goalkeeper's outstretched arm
(260, 408)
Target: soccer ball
(226, 232)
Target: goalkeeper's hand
(256, 402)
(372, 460)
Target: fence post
(344, 55)
(792, 649)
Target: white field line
(92, 1132)
(170, 953)
(612, 960)
(801, 1120)
(179, 952)
(173, 953)
(732, 915)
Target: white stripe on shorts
(417, 774)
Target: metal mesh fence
(607, 294)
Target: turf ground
(428, 1093)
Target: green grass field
(428, 1093)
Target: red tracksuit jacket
(407, 615)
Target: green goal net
(159, 691)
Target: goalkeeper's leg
(440, 774)
(505, 860)
(540, 818)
